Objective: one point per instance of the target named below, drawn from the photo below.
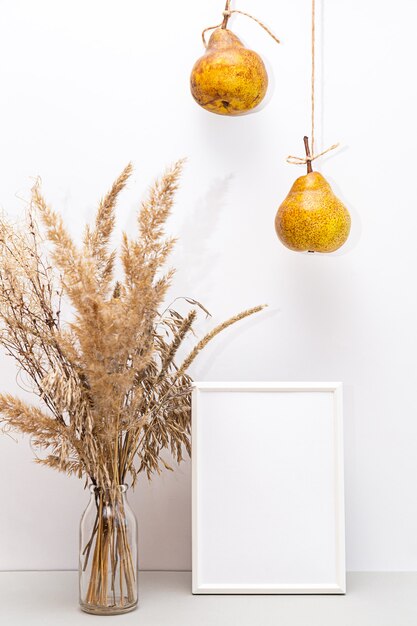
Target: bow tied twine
(295, 160)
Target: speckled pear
(312, 218)
(228, 79)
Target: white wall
(87, 86)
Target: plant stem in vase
(108, 553)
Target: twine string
(313, 70)
(307, 160)
(227, 14)
(295, 160)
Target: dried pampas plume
(114, 397)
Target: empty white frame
(268, 491)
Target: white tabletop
(50, 599)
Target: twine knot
(295, 160)
(227, 13)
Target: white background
(89, 85)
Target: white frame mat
(268, 488)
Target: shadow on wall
(235, 333)
(356, 227)
(196, 255)
(163, 508)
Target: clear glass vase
(108, 553)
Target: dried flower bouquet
(113, 396)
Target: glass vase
(108, 553)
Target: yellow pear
(311, 217)
(228, 79)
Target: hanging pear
(312, 218)
(228, 79)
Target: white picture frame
(267, 488)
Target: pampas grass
(114, 397)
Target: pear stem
(226, 14)
(308, 154)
